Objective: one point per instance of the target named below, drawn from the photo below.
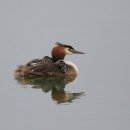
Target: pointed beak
(77, 52)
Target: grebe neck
(58, 53)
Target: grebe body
(51, 66)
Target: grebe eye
(69, 49)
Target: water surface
(99, 97)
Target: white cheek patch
(68, 52)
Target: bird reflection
(54, 84)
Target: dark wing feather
(44, 69)
(34, 61)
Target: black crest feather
(64, 45)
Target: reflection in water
(54, 84)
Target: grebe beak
(76, 52)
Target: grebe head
(61, 50)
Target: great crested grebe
(51, 66)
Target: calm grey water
(101, 29)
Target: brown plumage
(51, 69)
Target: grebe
(51, 66)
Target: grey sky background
(101, 29)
